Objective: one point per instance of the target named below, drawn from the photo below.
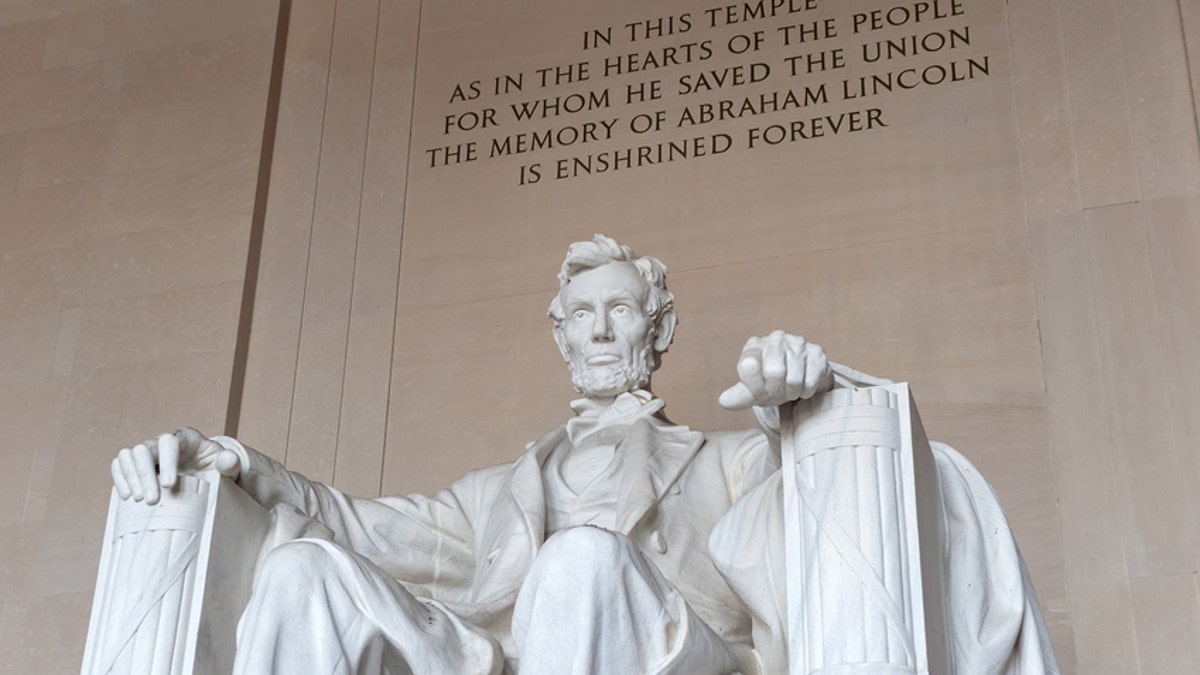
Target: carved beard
(616, 379)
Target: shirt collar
(625, 409)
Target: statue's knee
(298, 564)
(581, 569)
(584, 551)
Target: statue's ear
(561, 340)
(665, 331)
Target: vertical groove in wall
(1187, 64)
(412, 120)
(312, 224)
(1016, 112)
(241, 351)
(354, 275)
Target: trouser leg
(317, 608)
(593, 604)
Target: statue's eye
(620, 310)
(580, 314)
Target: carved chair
(863, 524)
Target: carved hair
(601, 250)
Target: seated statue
(611, 546)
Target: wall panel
(287, 230)
(128, 156)
(1114, 308)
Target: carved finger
(774, 369)
(190, 442)
(796, 369)
(818, 368)
(796, 343)
(750, 371)
(119, 481)
(143, 460)
(168, 460)
(125, 457)
(737, 397)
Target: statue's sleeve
(996, 624)
(748, 462)
(747, 549)
(424, 541)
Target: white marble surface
(492, 573)
(174, 579)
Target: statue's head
(613, 317)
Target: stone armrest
(174, 579)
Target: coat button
(657, 541)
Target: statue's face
(606, 336)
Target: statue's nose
(601, 328)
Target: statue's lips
(603, 359)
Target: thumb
(228, 463)
(737, 397)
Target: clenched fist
(776, 369)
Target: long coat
(470, 546)
(681, 501)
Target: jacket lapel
(515, 528)
(652, 458)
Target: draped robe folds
(995, 624)
(705, 509)
(471, 546)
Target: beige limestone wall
(1021, 247)
(1112, 194)
(130, 140)
(317, 374)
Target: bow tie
(623, 411)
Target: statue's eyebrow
(617, 294)
(578, 303)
